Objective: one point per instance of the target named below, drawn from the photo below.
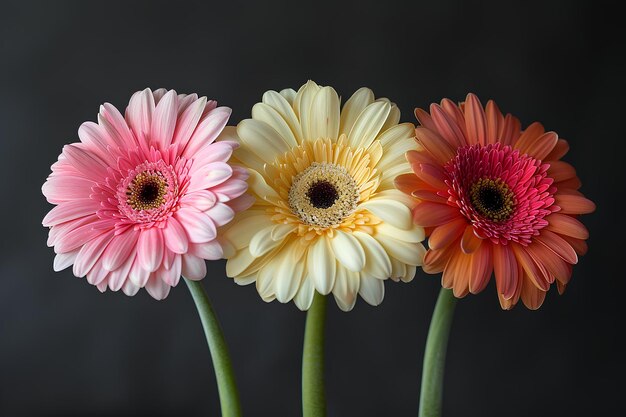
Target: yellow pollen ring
(346, 194)
(493, 199)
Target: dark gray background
(66, 349)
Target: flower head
(495, 198)
(327, 216)
(139, 198)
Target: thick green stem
(313, 393)
(226, 386)
(435, 355)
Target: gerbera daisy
(139, 198)
(327, 216)
(495, 198)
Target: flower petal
(348, 251)
(321, 265)
(150, 248)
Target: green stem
(435, 355)
(226, 386)
(313, 393)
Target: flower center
(493, 199)
(146, 191)
(323, 195)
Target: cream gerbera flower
(327, 216)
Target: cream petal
(245, 227)
(377, 262)
(283, 106)
(372, 290)
(302, 105)
(321, 265)
(392, 119)
(288, 94)
(288, 276)
(239, 263)
(261, 139)
(405, 252)
(259, 186)
(324, 119)
(415, 234)
(267, 114)
(391, 211)
(348, 251)
(346, 288)
(362, 98)
(368, 125)
(304, 297)
(262, 242)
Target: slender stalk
(435, 355)
(226, 386)
(313, 393)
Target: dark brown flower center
(146, 191)
(322, 194)
(493, 199)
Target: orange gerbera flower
(495, 199)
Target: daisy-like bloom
(139, 198)
(327, 216)
(495, 198)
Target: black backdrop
(66, 349)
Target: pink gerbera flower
(495, 198)
(139, 198)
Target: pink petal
(120, 249)
(150, 248)
(220, 214)
(567, 225)
(66, 188)
(64, 260)
(90, 253)
(230, 189)
(188, 121)
(139, 113)
(200, 200)
(558, 245)
(118, 277)
(171, 276)
(70, 210)
(157, 288)
(164, 120)
(193, 267)
(175, 237)
(138, 275)
(210, 250)
(209, 176)
(199, 227)
(87, 163)
(208, 130)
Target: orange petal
(424, 119)
(481, 268)
(541, 147)
(438, 147)
(574, 204)
(555, 266)
(435, 260)
(447, 126)
(447, 233)
(580, 246)
(561, 171)
(470, 242)
(407, 183)
(557, 245)
(429, 196)
(535, 273)
(510, 130)
(493, 119)
(456, 274)
(506, 270)
(475, 120)
(567, 225)
(559, 151)
(530, 135)
(532, 297)
(427, 214)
